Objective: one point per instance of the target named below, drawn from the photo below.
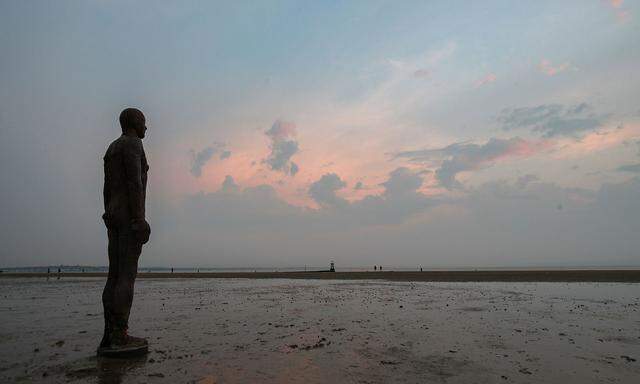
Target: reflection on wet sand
(102, 370)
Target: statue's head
(132, 120)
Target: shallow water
(312, 331)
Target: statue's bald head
(132, 119)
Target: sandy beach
(319, 331)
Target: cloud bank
(524, 222)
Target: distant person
(375, 267)
(125, 184)
(381, 267)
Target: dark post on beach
(125, 184)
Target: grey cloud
(422, 73)
(324, 191)
(634, 168)
(200, 158)
(225, 155)
(401, 182)
(525, 180)
(551, 120)
(460, 157)
(229, 185)
(400, 200)
(358, 186)
(293, 169)
(283, 147)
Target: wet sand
(326, 331)
(565, 275)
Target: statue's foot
(123, 345)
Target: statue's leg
(126, 251)
(129, 251)
(109, 288)
(134, 249)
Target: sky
(291, 133)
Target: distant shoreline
(587, 275)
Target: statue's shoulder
(131, 143)
(126, 144)
(123, 144)
(112, 149)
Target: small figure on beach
(125, 184)
(375, 267)
(332, 267)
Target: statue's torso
(115, 182)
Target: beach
(327, 329)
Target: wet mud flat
(326, 331)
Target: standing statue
(125, 185)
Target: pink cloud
(616, 3)
(601, 140)
(487, 79)
(622, 15)
(547, 68)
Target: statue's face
(140, 126)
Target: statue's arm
(105, 196)
(133, 177)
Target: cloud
(525, 180)
(358, 186)
(422, 74)
(402, 181)
(634, 168)
(229, 185)
(293, 169)
(622, 15)
(201, 158)
(487, 79)
(498, 223)
(324, 191)
(283, 147)
(461, 157)
(548, 69)
(552, 120)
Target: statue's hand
(141, 230)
